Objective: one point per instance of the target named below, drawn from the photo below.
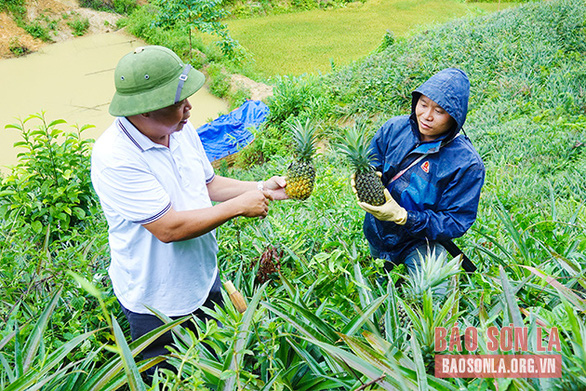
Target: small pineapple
(301, 173)
(402, 319)
(402, 316)
(357, 149)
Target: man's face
(432, 119)
(168, 120)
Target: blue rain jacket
(441, 192)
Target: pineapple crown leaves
(353, 143)
(304, 137)
(431, 274)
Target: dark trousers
(141, 324)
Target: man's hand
(389, 211)
(254, 203)
(276, 187)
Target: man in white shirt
(156, 187)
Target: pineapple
(402, 316)
(301, 173)
(357, 149)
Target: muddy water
(73, 80)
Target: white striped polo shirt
(137, 182)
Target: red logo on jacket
(425, 167)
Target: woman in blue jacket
(431, 171)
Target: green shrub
(219, 80)
(141, 23)
(17, 48)
(79, 26)
(50, 187)
(15, 7)
(238, 97)
(98, 5)
(294, 96)
(37, 30)
(124, 7)
(270, 141)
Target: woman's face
(432, 119)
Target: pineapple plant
(301, 173)
(425, 293)
(354, 145)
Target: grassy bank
(321, 322)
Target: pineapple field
(319, 316)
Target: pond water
(73, 80)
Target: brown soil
(258, 91)
(45, 11)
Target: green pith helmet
(151, 78)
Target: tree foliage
(199, 15)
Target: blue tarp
(229, 133)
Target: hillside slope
(528, 98)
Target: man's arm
(222, 189)
(182, 225)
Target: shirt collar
(141, 141)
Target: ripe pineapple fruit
(356, 147)
(301, 173)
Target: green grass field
(309, 41)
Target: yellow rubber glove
(389, 211)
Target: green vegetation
(79, 26)
(199, 16)
(158, 25)
(243, 9)
(294, 43)
(123, 7)
(174, 24)
(17, 48)
(316, 41)
(40, 27)
(16, 8)
(317, 318)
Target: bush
(17, 48)
(141, 23)
(269, 141)
(294, 96)
(219, 80)
(79, 26)
(123, 7)
(38, 30)
(16, 7)
(50, 187)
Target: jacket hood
(450, 89)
